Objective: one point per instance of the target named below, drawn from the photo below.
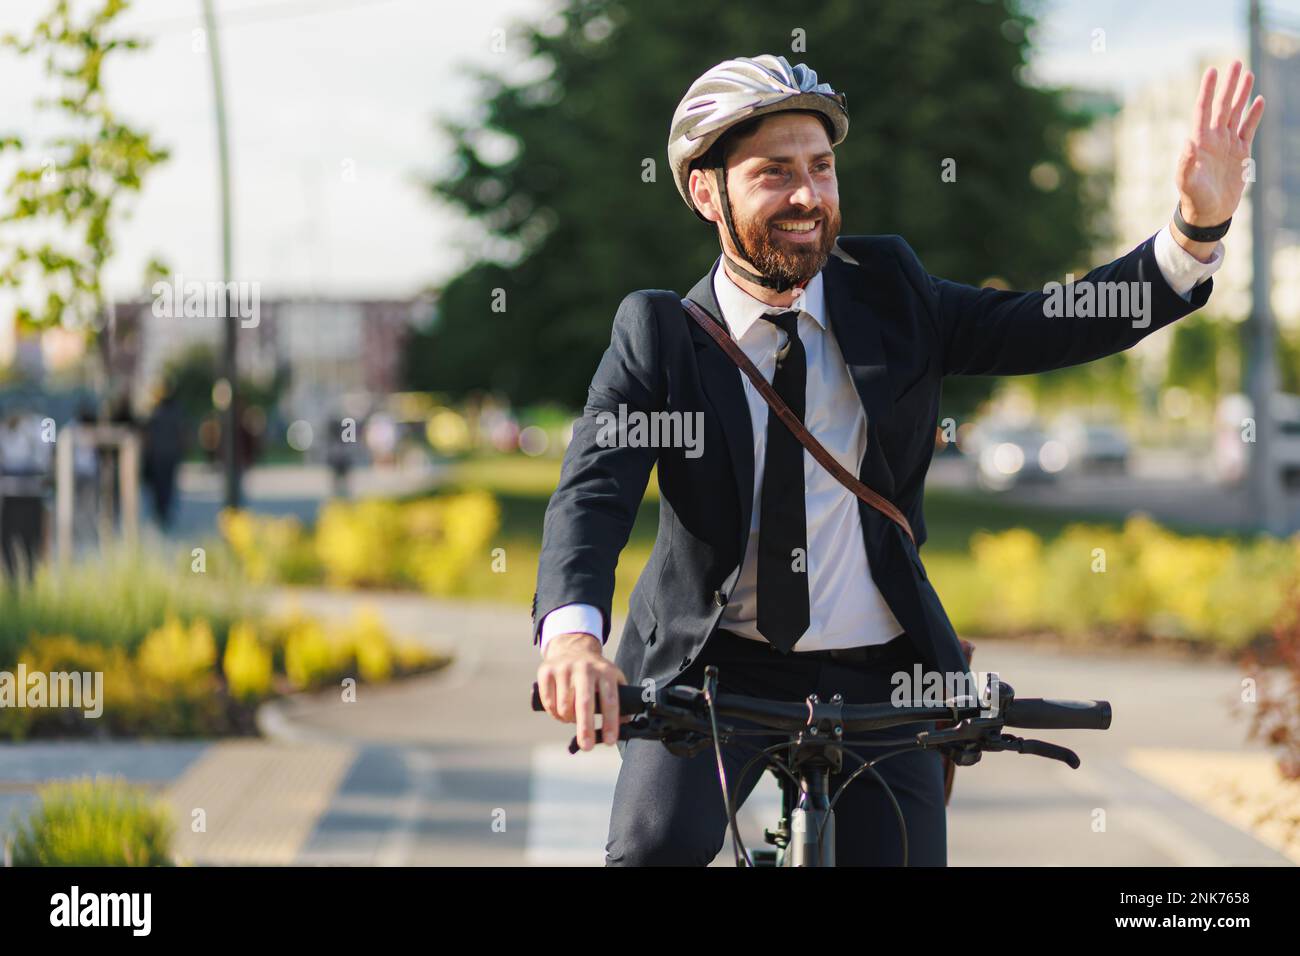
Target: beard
(793, 263)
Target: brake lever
(1041, 748)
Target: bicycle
(686, 721)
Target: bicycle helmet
(730, 93)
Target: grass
(114, 600)
(95, 822)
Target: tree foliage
(66, 197)
(573, 225)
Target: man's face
(784, 196)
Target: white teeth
(796, 226)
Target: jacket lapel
(721, 382)
(856, 325)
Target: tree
(71, 197)
(579, 208)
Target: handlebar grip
(629, 699)
(1041, 714)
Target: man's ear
(704, 195)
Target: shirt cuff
(573, 619)
(1182, 270)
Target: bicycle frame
(805, 836)
(806, 813)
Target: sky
(332, 107)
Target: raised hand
(1211, 172)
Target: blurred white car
(1006, 455)
(1094, 446)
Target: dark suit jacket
(901, 331)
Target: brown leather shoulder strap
(791, 421)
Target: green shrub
(100, 822)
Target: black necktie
(782, 519)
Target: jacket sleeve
(602, 481)
(984, 331)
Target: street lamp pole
(1264, 479)
(230, 426)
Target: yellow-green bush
(1141, 581)
(270, 550)
(100, 822)
(312, 656)
(247, 664)
(411, 656)
(361, 544)
(1011, 565)
(430, 543)
(61, 653)
(177, 654)
(371, 647)
(138, 699)
(446, 535)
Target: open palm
(1211, 172)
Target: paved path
(454, 769)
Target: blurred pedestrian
(24, 475)
(164, 447)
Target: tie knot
(788, 322)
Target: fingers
(564, 697)
(1205, 98)
(1251, 122)
(569, 690)
(1240, 100)
(1224, 105)
(609, 709)
(546, 691)
(584, 707)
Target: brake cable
(737, 845)
(889, 792)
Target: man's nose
(806, 193)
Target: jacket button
(719, 599)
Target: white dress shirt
(846, 608)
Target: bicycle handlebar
(1036, 713)
(630, 700)
(1029, 712)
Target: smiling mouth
(798, 228)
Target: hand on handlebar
(572, 675)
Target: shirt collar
(740, 310)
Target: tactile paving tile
(261, 800)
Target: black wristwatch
(1199, 233)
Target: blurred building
(323, 348)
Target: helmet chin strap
(776, 285)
